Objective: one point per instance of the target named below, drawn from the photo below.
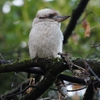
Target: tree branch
(74, 18)
(51, 70)
(45, 64)
(94, 64)
(91, 90)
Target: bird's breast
(46, 38)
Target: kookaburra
(46, 38)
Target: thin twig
(92, 71)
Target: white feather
(45, 38)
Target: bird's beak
(60, 18)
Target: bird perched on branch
(46, 38)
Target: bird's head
(50, 14)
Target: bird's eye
(51, 15)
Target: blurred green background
(16, 17)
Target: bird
(46, 37)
